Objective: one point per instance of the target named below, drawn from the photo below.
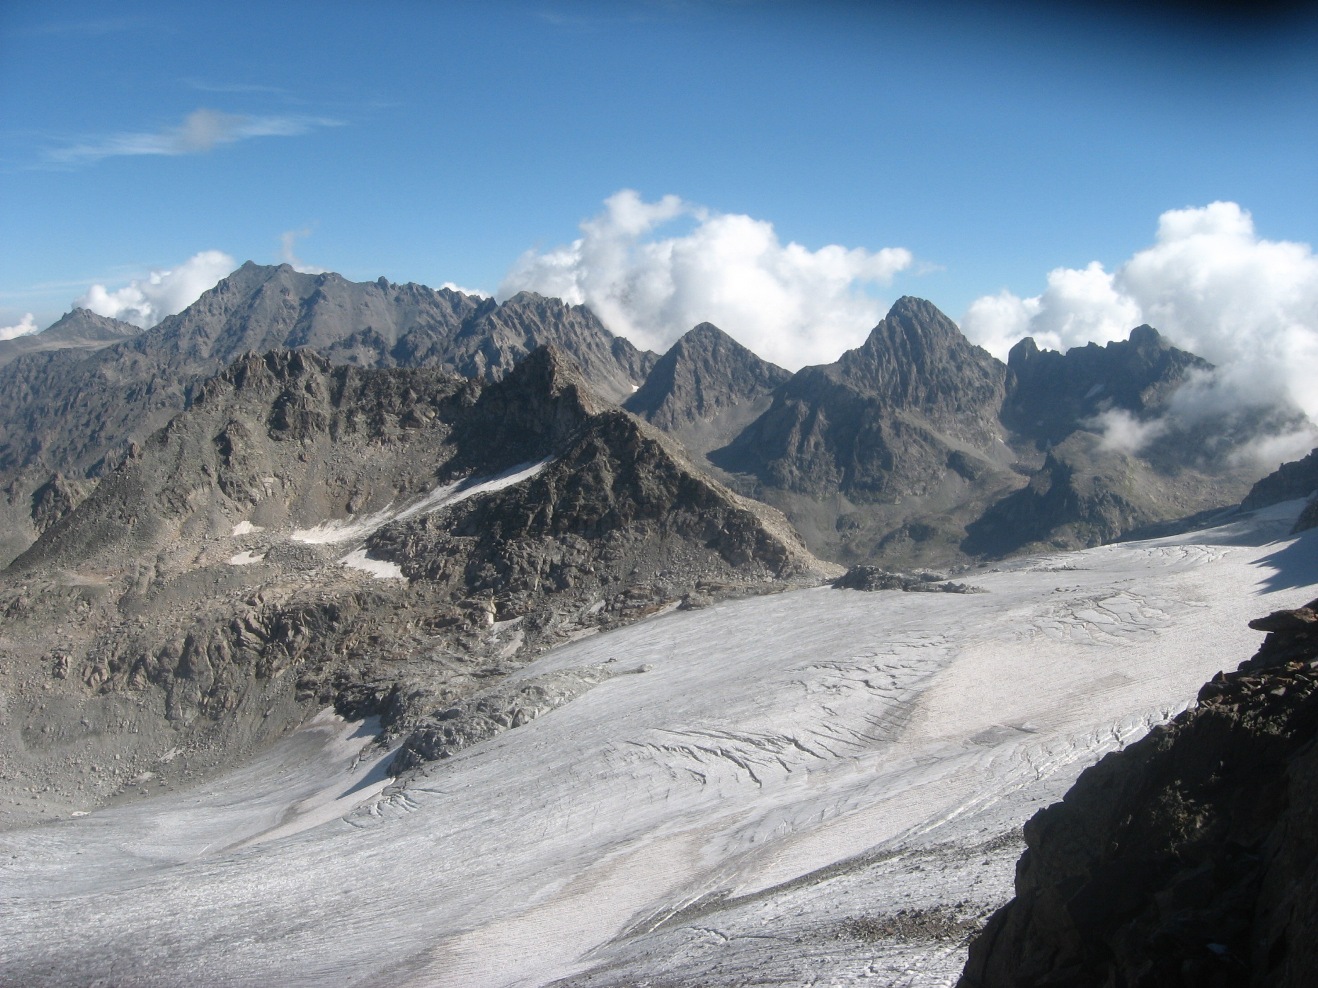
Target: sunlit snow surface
(757, 774)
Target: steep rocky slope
(1296, 479)
(383, 540)
(1188, 858)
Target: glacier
(760, 786)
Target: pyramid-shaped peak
(911, 307)
(705, 330)
(707, 336)
(914, 337)
(705, 371)
(917, 359)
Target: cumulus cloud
(789, 304)
(1077, 307)
(287, 241)
(145, 301)
(1210, 284)
(25, 327)
(200, 131)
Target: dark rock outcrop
(1296, 479)
(1308, 517)
(1189, 858)
(872, 578)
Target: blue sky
(439, 142)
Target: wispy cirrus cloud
(202, 130)
(236, 88)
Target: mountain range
(916, 448)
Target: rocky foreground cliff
(1191, 857)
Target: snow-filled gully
(783, 768)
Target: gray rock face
(1188, 858)
(888, 452)
(917, 360)
(1086, 495)
(883, 421)
(704, 372)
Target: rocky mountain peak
(917, 359)
(703, 373)
(1145, 337)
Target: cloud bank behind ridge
(145, 301)
(1214, 287)
(787, 303)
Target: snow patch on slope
(381, 569)
(443, 496)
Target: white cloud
(200, 131)
(1210, 284)
(789, 304)
(145, 301)
(1124, 432)
(26, 327)
(287, 241)
(1077, 307)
